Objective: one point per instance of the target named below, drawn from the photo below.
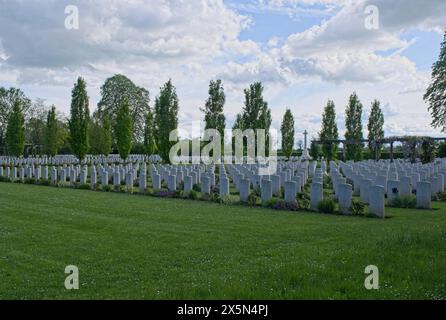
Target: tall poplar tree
(149, 135)
(214, 117)
(287, 131)
(166, 118)
(329, 132)
(15, 132)
(123, 129)
(376, 129)
(51, 139)
(353, 125)
(79, 119)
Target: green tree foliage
(123, 130)
(353, 125)
(117, 89)
(166, 118)
(51, 144)
(79, 119)
(376, 129)
(329, 131)
(287, 131)
(100, 134)
(15, 132)
(8, 98)
(213, 109)
(436, 92)
(255, 113)
(428, 150)
(315, 150)
(149, 135)
(442, 150)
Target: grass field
(140, 247)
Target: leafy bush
(442, 197)
(257, 191)
(357, 208)
(327, 182)
(84, 187)
(30, 181)
(44, 182)
(252, 199)
(408, 202)
(196, 188)
(303, 201)
(4, 179)
(284, 206)
(193, 195)
(164, 194)
(271, 203)
(106, 188)
(327, 206)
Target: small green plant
(303, 201)
(442, 196)
(84, 187)
(196, 188)
(30, 181)
(193, 195)
(357, 208)
(407, 202)
(272, 203)
(252, 199)
(327, 206)
(106, 188)
(4, 179)
(44, 182)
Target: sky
(305, 52)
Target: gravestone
(376, 201)
(345, 193)
(424, 195)
(266, 191)
(244, 190)
(316, 194)
(290, 192)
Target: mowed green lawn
(139, 247)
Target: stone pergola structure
(390, 140)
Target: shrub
(164, 194)
(30, 181)
(196, 188)
(303, 201)
(327, 182)
(442, 197)
(4, 179)
(357, 208)
(252, 199)
(44, 182)
(284, 206)
(327, 206)
(408, 202)
(271, 203)
(84, 187)
(193, 195)
(106, 188)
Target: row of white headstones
(370, 180)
